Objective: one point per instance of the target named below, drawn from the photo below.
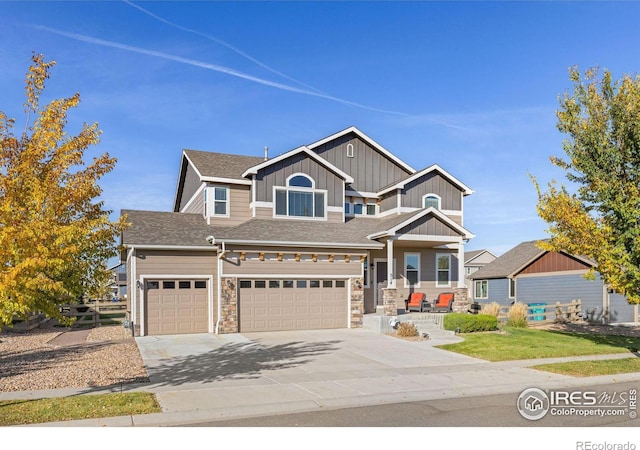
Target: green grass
(525, 343)
(593, 368)
(20, 412)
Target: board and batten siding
(554, 262)
(432, 183)
(370, 169)
(389, 201)
(429, 226)
(166, 263)
(277, 174)
(190, 185)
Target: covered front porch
(425, 255)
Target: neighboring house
(118, 284)
(474, 260)
(529, 275)
(299, 241)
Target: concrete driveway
(286, 356)
(210, 377)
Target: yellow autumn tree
(55, 236)
(600, 217)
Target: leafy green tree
(54, 233)
(600, 216)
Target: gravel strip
(109, 357)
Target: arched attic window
(300, 181)
(431, 200)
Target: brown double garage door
(300, 304)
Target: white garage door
(303, 304)
(176, 306)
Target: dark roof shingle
(168, 229)
(221, 165)
(509, 262)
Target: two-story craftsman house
(303, 240)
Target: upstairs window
(431, 200)
(300, 198)
(221, 202)
(360, 208)
(216, 201)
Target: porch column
(461, 274)
(391, 283)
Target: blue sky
(472, 86)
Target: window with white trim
(359, 207)
(300, 198)
(221, 201)
(349, 150)
(443, 270)
(481, 289)
(412, 270)
(216, 201)
(431, 200)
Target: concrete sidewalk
(206, 377)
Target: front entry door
(381, 280)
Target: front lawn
(593, 368)
(20, 412)
(526, 343)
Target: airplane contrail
(223, 43)
(213, 67)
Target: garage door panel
(177, 307)
(306, 305)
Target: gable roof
(223, 167)
(517, 259)
(510, 262)
(432, 168)
(408, 220)
(213, 167)
(366, 138)
(303, 149)
(473, 254)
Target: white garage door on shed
(176, 306)
(294, 304)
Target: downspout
(219, 284)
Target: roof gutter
(169, 247)
(373, 245)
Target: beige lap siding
(271, 267)
(176, 265)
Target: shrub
(407, 329)
(517, 315)
(491, 309)
(469, 323)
